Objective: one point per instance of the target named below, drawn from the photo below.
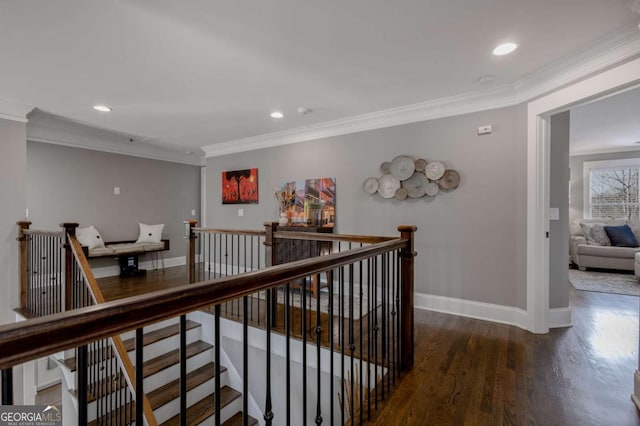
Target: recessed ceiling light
(188, 152)
(276, 114)
(505, 49)
(102, 108)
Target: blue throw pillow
(621, 236)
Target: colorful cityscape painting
(310, 201)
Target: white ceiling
(607, 125)
(185, 74)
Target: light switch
(240, 212)
(554, 213)
(116, 190)
(193, 212)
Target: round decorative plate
(387, 186)
(402, 167)
(434, 170)
(450, 180)
(421, 164)
(385, 167)
(415, 185)
(370, 185)
(431, 189)
(401, 193)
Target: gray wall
(471, 242)
(12, 195)
(559, 229)
(76, 185)
(576, 209)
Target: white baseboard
(468, 308)
(110, 271)
(560, 317)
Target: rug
(605, 282)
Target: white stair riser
(168, 374)
(92, 408)
(163, 346)
(227, 413)
(170, 409)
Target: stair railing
(381, 270)
(384, 281)
(55, 276)
(42, 290)
(110, 375)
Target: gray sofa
(587, 253)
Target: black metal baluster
(384, 319)
(341, 334)
(352, 345)
(361, 280)
(318, 353)
(369, 339)
(287, 325)
(183, 369)
(258, 294)
(398, 281)
(375, 328)
(217, 365)
(304, 350)
(268, 414)
(139, 377)
(7, 386)
(81, 370)
(245, 363)
(331, 366)
(394, 276)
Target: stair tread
(170, 391)
(172, 357)
(103, 387)
(159, 363)
(236, 420)
(205, 408)
(157, 335)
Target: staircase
(161, 372)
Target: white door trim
(539, 111)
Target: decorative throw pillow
(90, 237)
(635, 228)
(595, 234)
(150, 233)
(621, 236)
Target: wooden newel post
(191, 255)
(69, 230)
(406, 308)
(270, 251)
(24, 261)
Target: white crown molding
(438, 108)
(609, 51)
(14, 111)
(612, 150)
(148, 154)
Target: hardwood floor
(475, 372)
(480, 373)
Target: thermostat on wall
(484, 130)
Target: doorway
(539, 114)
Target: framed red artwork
(240, 187)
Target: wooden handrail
(38, 337)
(58, 234)
(321, 236)
(121, 352)
(229, 231)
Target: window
(613, 189)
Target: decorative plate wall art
(404, 177)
